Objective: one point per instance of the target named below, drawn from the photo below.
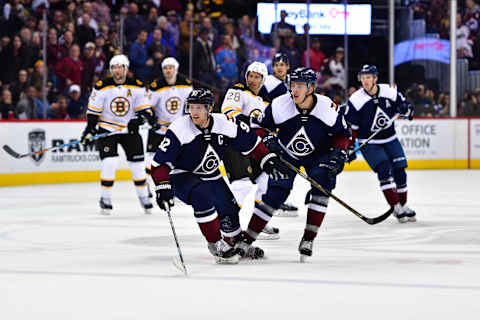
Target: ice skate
(146, 204)
(269, 233)
(223, 252)
(286, 210)
(106, 206)
(246, 250)
(409, 213)
(305, 248)
(399, 213)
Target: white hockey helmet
(258, 67)
(119, 59)
(170, 61)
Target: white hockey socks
(107, 176)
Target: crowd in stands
(82, 36)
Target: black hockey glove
(134, 124)
(88, 134)
(351, 156)
(271, 142)
(406, 110)
(336, 161)
(274, 167)
(164, 195)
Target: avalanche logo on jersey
(173, 105)
(380, 121)
(210, 162)
(300, 145)
(120, 106)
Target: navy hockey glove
(406, 110)
(134, 124)
(272, 144)
(351, 156)
(336, 161)
(164, 195)
(88, 134)
(274, 167)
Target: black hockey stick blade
(11, 152)
(379, 219)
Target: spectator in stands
(26, 107)
(237, 44)
(76, 107)
(100, 55)
(19, 86)
(173, 27)
(152, 19)
(70, 68)
(7, 108)
(58, 22)
(167, 37)
(84, 32)
(245, 27)
(212, 33)
(39, 70)
(292, 52)
(205, 65)
(14, 58)
(111, 46)
(282, 29)
(423, 105)
(58, 110)
(35, 48)
(87, 8)
(140, 63)
(185, 38)
(101, 12)
(470, 104)
(301, 39)
(464, 44)
(133, 23)
(67, 41)
(442, 108)
(337, 69)
(471, 16)
(89, 61)
(316, 56)
(55, 52)
(226, 60)
(158, 45)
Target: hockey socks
(262, 214)
(209, 224)
(317, 207)
(107, 176)
(139, 178)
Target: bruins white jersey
(241, 100)
(116, 104)
(168, 101)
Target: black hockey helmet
(280, 56)
(368, 69)
(199, 96)
(302, 74)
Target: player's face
(299, 91)
(119, 73)
(254, 80)
(169, 72)
(198, 113)
(368, 81)
(280, 69)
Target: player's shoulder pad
(221, 125)
(183, 81)
(386, 91)
(134, 82)
(105, 82)
(324, 110)
(359, 98)
(283, 108)
(271, 82)
(184, 129)
(238, 86)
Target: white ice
(60, 259)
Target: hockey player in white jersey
(276, 83)
(116, 104)
(187, 165)
(167, 98)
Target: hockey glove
(336, 161)
(271, 142)
(406, 110)
(351, 156)
(274, 167)
(134, 124)
(164, 195)
(88, 134)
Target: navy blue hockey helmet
(199, 96)
(280, 57)
(368, 69)
(301, 74)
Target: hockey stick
(180, 265)
(17, 155)
(389, 123)
(319, 187)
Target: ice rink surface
(60, 259)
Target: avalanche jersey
(239, 99)
(368, 114)
(187, 148)
(168, 101)
(116, 104)
(275, 87)
(304, 134)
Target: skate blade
(232, 260)
(402, 220)
(267, 236)
(178, 264)
(412, 219)
(303, 258)
(106, 212)
(147, 211)
(283, 213)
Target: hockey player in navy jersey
(186, 165)
(310, 133)
(369, 110)
(276, 83)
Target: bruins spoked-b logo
(300, 145)
(173, 105)
(210, 162)
(37, 142)
(120, 106)
(380, 121)
(256, 113)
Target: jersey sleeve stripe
(142, 107)
(112, 122)
(93, 108)
(107, 87)
(90, 111)
(108, 126)
(230, 108)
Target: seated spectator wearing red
(317, 56)
(70, 69)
